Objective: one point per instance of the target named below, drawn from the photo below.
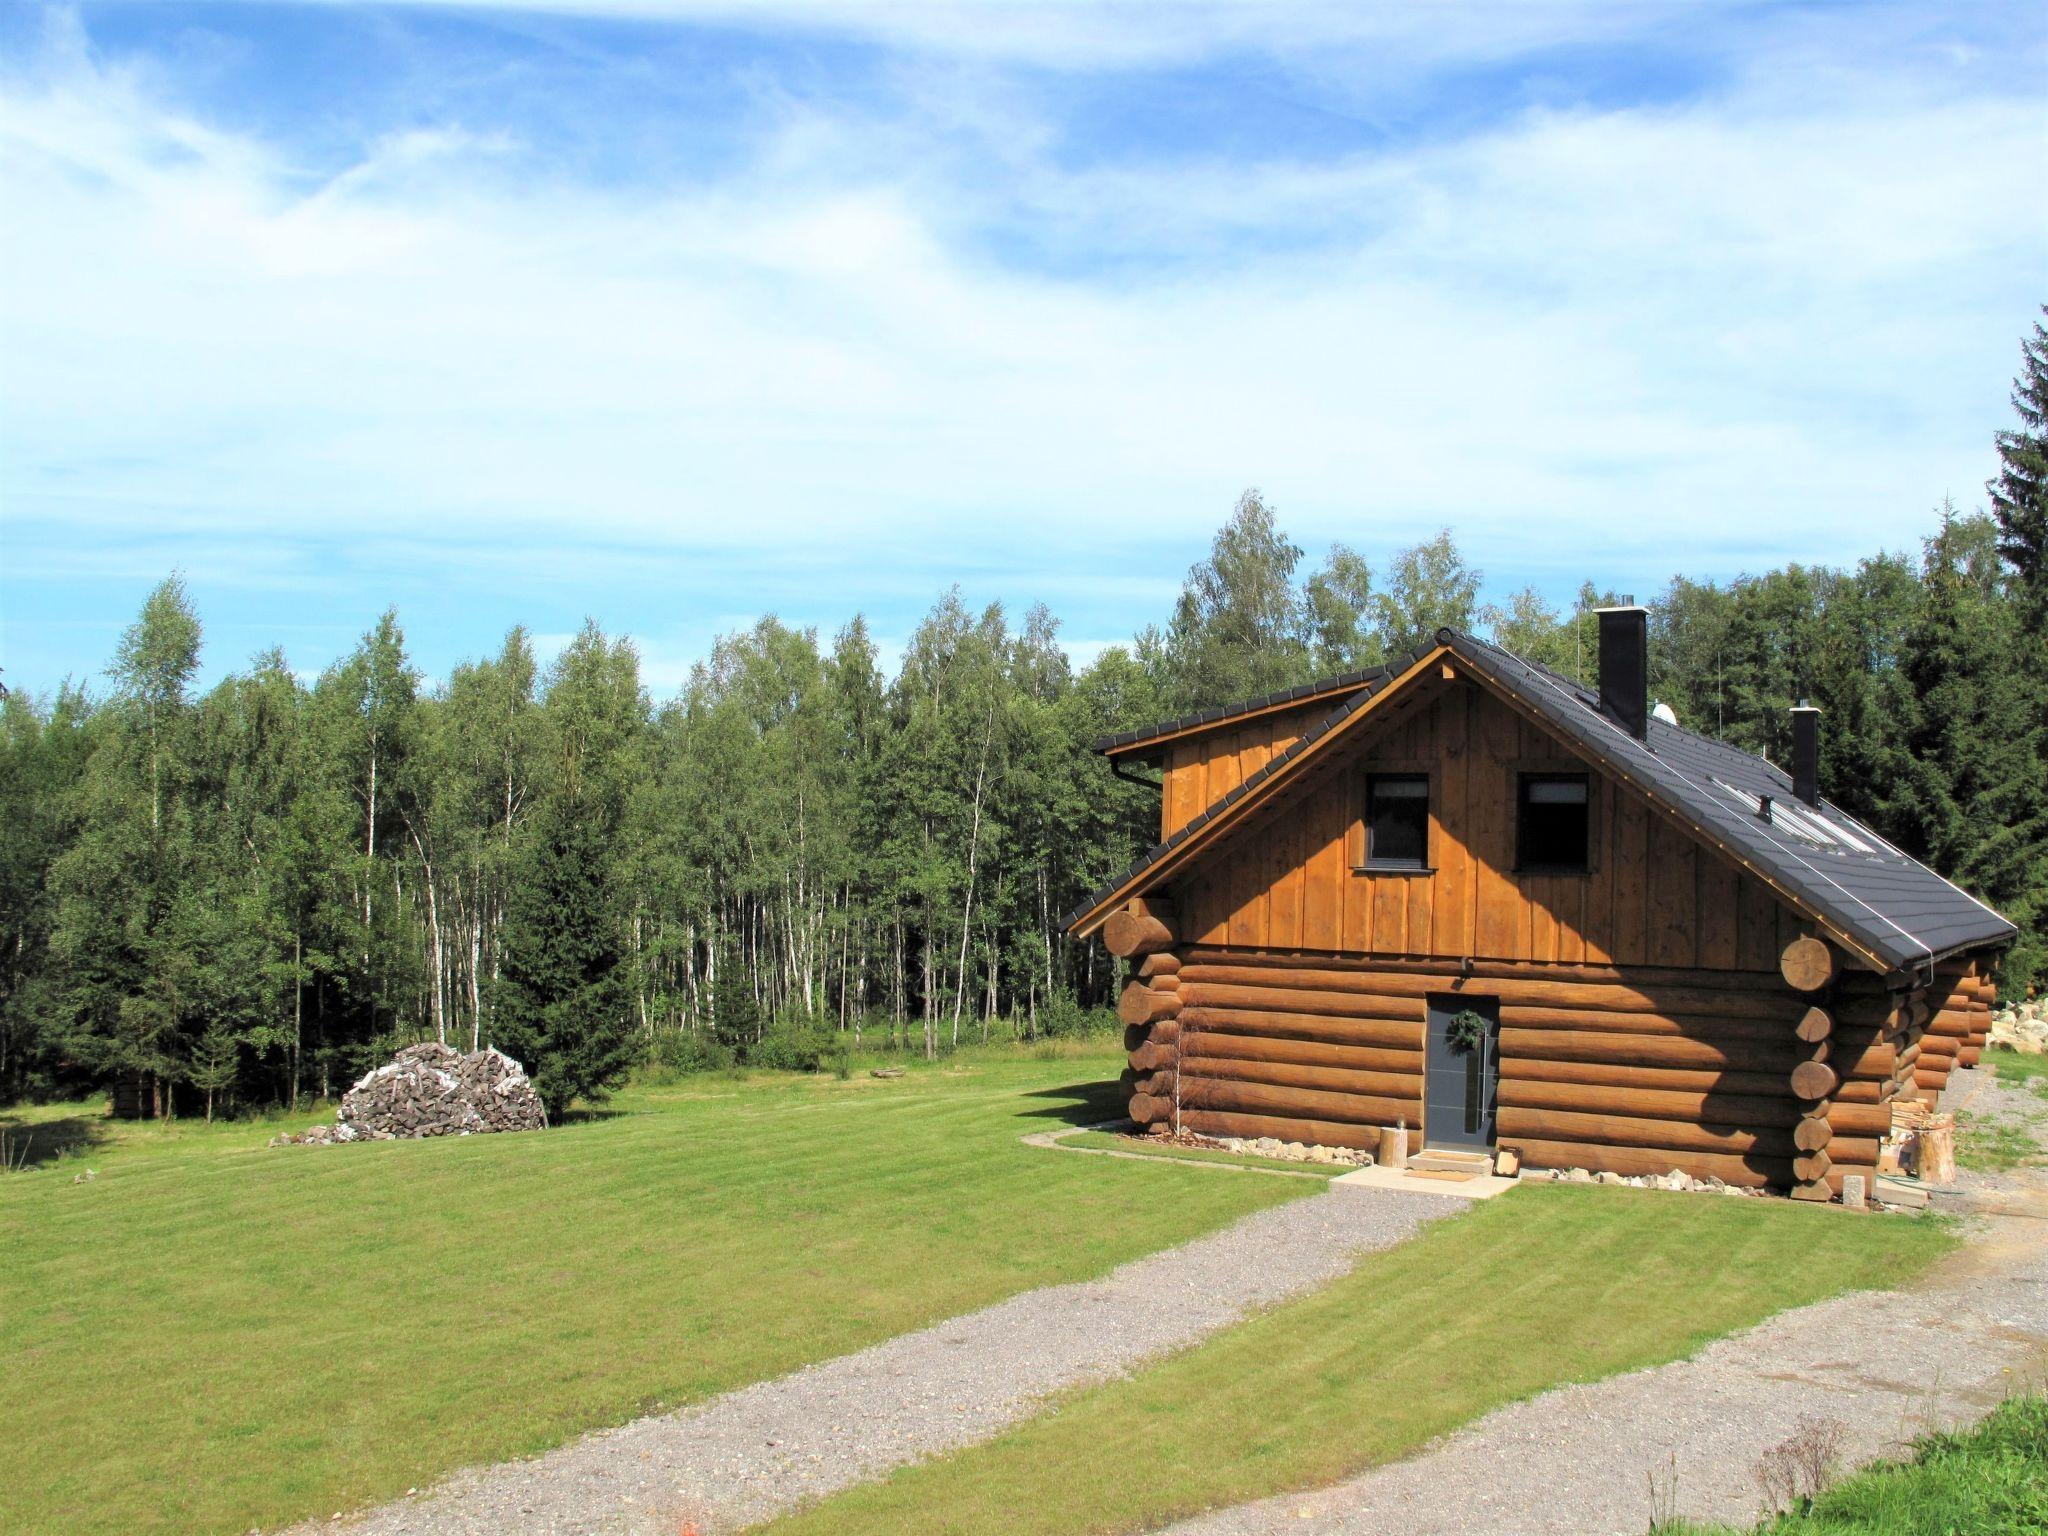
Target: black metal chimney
(1625, 666)
(1806, 753)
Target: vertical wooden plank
(1493, 744)
(1673, 896)
(1630, 942)
(1289, 854)
(1716, 907)
(1596, 932)
(1451, 915)
(1210, 920)
(1357, 887)
(1389, 914)
(1322, 906)
(1183, 787)
(1756, 925)
(1422, 888)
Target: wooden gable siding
(1200, 770)
(1654, 896)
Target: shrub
(1060, 1017)
(793, 1046)
(678, 1053)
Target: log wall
(1637, 1070)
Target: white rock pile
(2022, 1028)
(1676, 1179)
(432, 1090)
(1294, 1151)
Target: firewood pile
(431, 1090)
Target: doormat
(1440, 1173)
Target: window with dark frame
(1397, 821)
(1551, 824)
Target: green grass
(1991, 1145)
(213, 1334)
(1993, 1478)
(1137, 1148)
(1548, 1284)
(2012, 1067)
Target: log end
(1807, 964)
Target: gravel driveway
(752, 1453)
(1584, 1460)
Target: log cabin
(1463, 894)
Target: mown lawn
(1550, 1283)
(213, 1335)
(1993, 1478)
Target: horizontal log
(1766, 980)
(1625, 1131)
(1644, 1050)
(1207, 1043)
(1317, 1133)
(1145, 1109)
(1864, 1092)
(1930, 1077)
(1972, 1054)
(1294, 1103)
(1810, 1166)
(1543, 991)
(1766, 1085)
(1940, 1045)
(1305, 1026)
(1750, 1172)
(1873, 1061)
(1282, 1074)
(1164, 963)
(1162, 983)
(1779, 1030)
(1140, 1004)
(1819, 1191)
(1812, 1134)
(1344, 1005)
(1131, 934)
(1814, 1025)
(1652, 1104)
(1860, 1119)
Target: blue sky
(674, 314)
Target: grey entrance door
(1463, 1076)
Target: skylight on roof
(1802, 821)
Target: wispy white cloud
(1766, 320)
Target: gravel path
(752, 1453)
(1584, 1460)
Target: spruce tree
(564, 1009)
(2019, 493)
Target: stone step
(1450, 1160)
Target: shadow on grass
(1079, 1103)
(25, 1144)
(584, 1114)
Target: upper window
(1551, 823)
(1397, 821)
